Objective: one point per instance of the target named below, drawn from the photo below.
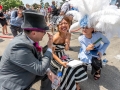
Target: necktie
(39, 48)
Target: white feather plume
(74, 27)
(102, 16)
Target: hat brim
(34, 21)
(36, 29)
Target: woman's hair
(66, 18)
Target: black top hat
(34, 21)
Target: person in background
(32, 7)
(28, 7)
(3, 22)
(49, 13)
(65, 8)
(22, 63)
(42, 11)
(46, 13)
(16, 21)
(9, 11)
(54, 16)
(7, 17)
(54, 9)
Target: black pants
(3, 22)
(0, 58)
(96, 65)
(15, 30)
(45, 83)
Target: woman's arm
(55, 56)
(75, 30)
(58, 59)
(85, 48)
(67, 41)
(106, 42)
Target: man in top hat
(22, 63)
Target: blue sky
(37, 1)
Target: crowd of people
(50, 14)
(23, 63)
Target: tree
(63, 0)
(41, 2)
(7, 4)
(35, 5)
(47, 5)
(61, 3)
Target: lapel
(34, 50)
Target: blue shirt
(15, 21)
(101, 46)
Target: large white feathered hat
(99, 15)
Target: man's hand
(90, 47)
(50, 41)
(51, 76)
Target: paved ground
(110, 78)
